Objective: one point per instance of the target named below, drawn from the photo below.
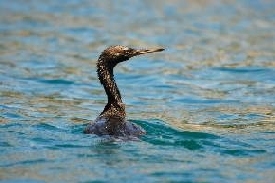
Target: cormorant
(112, 120)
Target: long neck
(115, 106)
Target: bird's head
(116, 54)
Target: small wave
(55, 81)
(242, 152)
(159, 133)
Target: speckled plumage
(112, 120)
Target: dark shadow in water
(159, 133)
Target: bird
(112, 120)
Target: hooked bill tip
(159, 49)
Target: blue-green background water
(207, 102)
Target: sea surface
(207, 102)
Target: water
(207, 102)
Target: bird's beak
(144, 51)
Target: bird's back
(114, 126)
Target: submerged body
(114, 127)
(112, 121)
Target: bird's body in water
(112, 120)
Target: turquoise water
(207, 102)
